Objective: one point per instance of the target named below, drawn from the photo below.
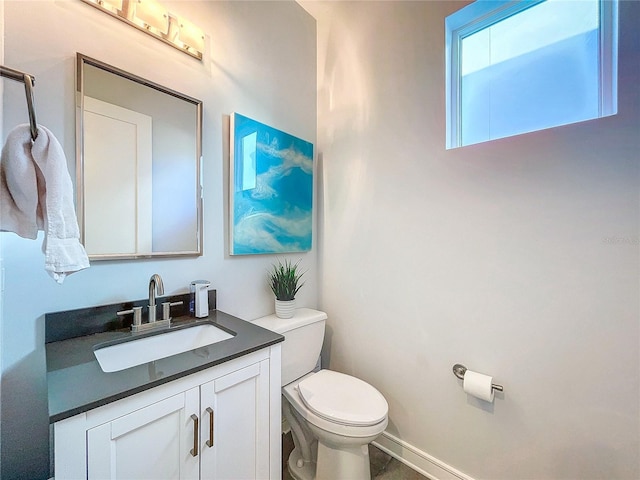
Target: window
(520, 66)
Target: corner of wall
(1, 250)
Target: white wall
(498, 256)
(260, 61)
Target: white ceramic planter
(285, 308)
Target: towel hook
(459, 371)
(29, 83)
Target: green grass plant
(284, 280)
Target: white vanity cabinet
(150, 442)
(219, 423)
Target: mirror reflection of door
(117, 175)
(139, 187)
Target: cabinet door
(235, 425)
(145, 444)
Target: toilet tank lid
(302, 316)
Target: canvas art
(271, 189)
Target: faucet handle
(137, 314)
(166, 308)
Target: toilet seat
(343, 399)
(293, 398)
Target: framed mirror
(138, 166)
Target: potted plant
(284, 280)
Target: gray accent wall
(260, 60)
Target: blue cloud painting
(272, 190)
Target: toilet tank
(303, 337)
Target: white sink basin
(114, 358)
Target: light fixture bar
(154, 19)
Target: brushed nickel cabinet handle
(210, 441)
(194, 450)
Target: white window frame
(484, 13)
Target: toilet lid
(343, 399)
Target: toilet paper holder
(459, 371)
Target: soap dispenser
(199, 301)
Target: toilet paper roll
(478, 385)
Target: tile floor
(383, 466)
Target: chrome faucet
(155, 283)
(156, 287)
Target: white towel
(36, 193)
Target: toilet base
(351, 463)
(306, 472)
(345, 462)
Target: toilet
(333, 416)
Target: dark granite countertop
(76, 383)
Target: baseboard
(418, 460)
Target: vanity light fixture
(190, 36)
(111, 5)
(151, 16)
(154, 19)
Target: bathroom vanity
(208, 412)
